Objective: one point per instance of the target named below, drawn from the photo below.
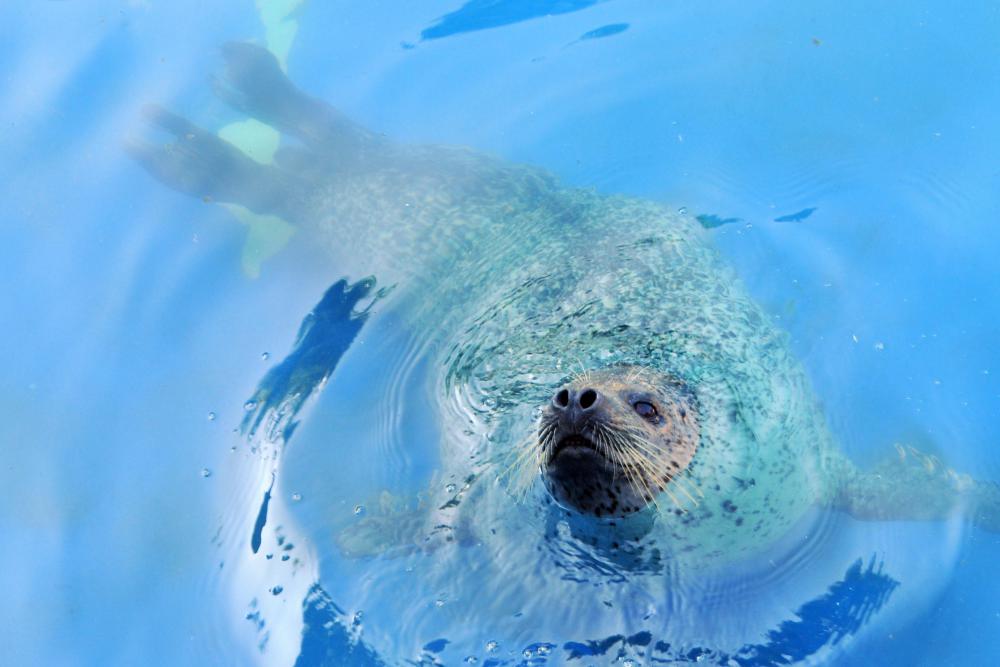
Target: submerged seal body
(597, 365)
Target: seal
(595, 342)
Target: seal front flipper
(913, 486)
(399, 527)
(200, 164)
(255, 84)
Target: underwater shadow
(484, 14)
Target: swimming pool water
(841, 155)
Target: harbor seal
(600, 378)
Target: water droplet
(249, 405)
(211, 416)
(296, 497)
(682, 210)
(359, 510)
(265, 356)
(492, 646)
(879, 346)
(205, 472)
(277, 590)
(450, 488)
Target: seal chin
(580, 477)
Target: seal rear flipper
(201, 164)
(254, 83)
(913, 486)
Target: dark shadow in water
(711, 221)
(798, 216)
(820, 623)
(258, 526)
(326, 639)
(324, 336)
(604, 31)
(483, 14)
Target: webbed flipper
(254, 83)
(914, 486)
(397, 527)
(200, 164)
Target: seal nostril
(561, 399)
(588, 398)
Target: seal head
(611, 441)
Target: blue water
(843, 155)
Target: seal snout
(575, 413)
(575, 408)
(585, 400)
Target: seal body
(516, 284)
(520, 284)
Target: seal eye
(645, 410)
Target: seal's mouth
(574, 444)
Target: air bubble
(879, 346)
(471, 660)
(249, 405)
(439, 603)
(359, 510)
(682, 210)
(211, 416)
(265, 356)
(205, 472)
(492, 646)
(277, 590)
(296, 497)
(450, 488)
